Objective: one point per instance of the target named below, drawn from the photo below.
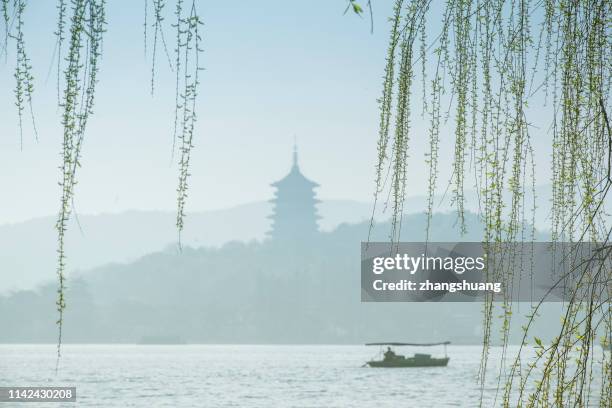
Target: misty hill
(27, 249)
(257, 292)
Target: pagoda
(295, 214)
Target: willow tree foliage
(13, 19)
(78, 51)
(187, 67)
(478, 75)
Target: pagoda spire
(295, 213)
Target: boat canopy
(444, 343)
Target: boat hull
(411, 362)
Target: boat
(391, 359)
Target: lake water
(246, 376)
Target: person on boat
(389, 354)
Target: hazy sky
(274, 70)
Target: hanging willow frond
(492, 66)
(145, 26)
(23, 70)
(86, 28)
(178, 12)
(188, 51)
(60, 37)
(187, 67)
(6, 22)
(158, 33)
